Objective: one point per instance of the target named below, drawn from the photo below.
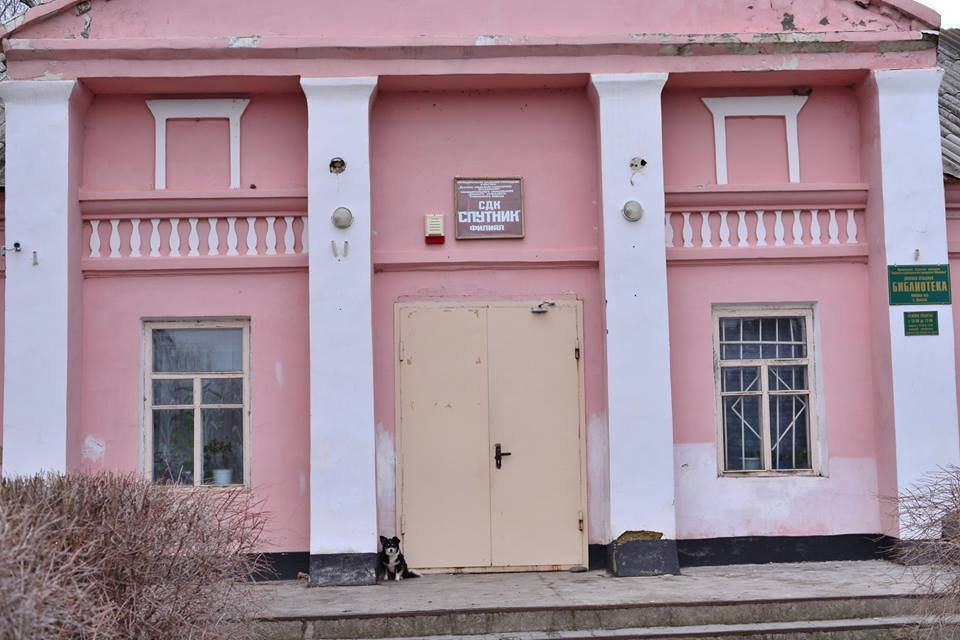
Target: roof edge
(37, 14)
(915, 10)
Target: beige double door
(474, 381)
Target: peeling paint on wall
(709, 506)
(87, 25)
(49, 75)
(244, 42)
(486, 41)
(278, 372)
(93, 449)
(598, 479)
(386, 481)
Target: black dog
(391, 561)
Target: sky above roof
(949, 9)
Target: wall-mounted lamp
(632, 210)
(342, 218)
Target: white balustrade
(815, 232)
(687, 230)
(851, 227)
(232, 237)
(288, 245)
(251, 236)
(194, 239)
(114, 238)
(761, 229)
(724, 230)
(706, 233)
(213, 239)
(155, 238)
(749, 229)
(135, 238)
(166, 236)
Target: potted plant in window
(218, 453)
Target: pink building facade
(233, 259)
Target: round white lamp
(632, 210)
(342, 218)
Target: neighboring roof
(950, 101)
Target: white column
(42, 280)
(924, 402)
(635, 281)
(343, 498)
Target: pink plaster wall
(110, 431)
(845, 500)
(419, 142)
(756, 154)
(80, 102)
(119, 148)
(198, 154)
(422, 140)
(375, 18)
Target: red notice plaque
(488, 207)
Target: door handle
(499, 454)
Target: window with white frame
(765, 389)
(197, 402)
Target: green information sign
(919, 284)
(921, 323)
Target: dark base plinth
(343, 569)
(643, 558)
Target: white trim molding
(343, 492)
(639, 392)
(786, 107)
(204, 108)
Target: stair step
(884, 628)
(506, 622)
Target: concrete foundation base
(643, 558)
(343, 569)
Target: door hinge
(401, 351)
(580, 522)
(403, 525)
(576, 351)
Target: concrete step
(777, 618)
(889, 628)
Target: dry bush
(107, 557)
(930, 545)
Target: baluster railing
(123, 238)
(719, 229)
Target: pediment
(243, 24)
